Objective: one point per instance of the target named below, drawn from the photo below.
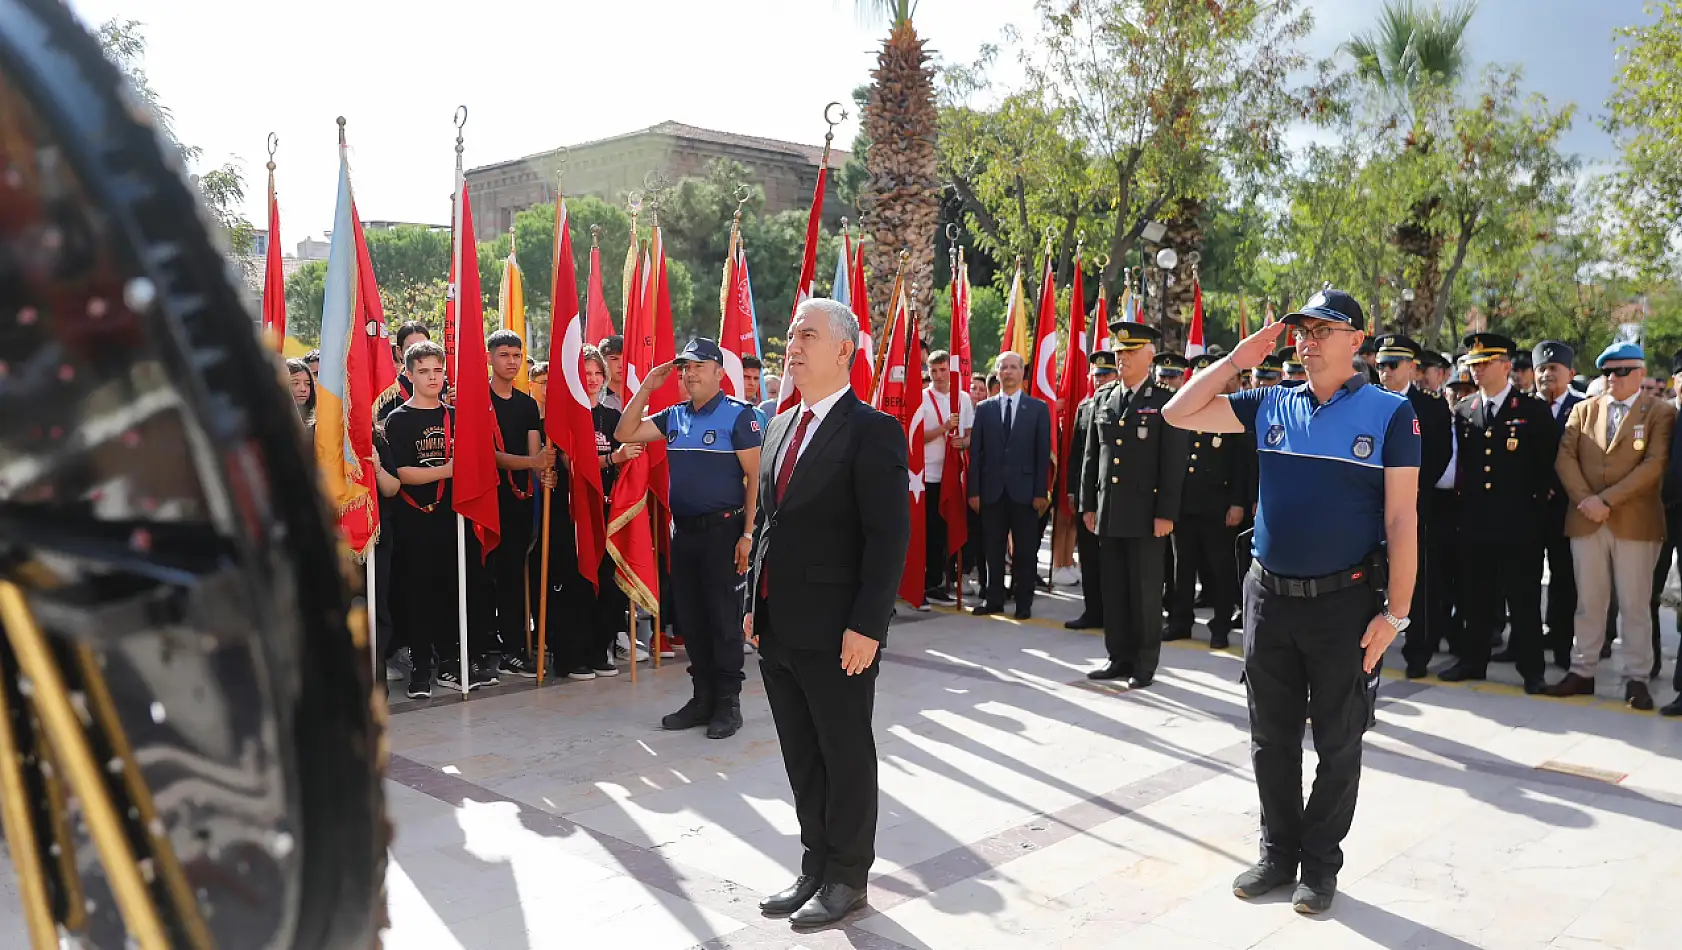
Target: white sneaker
(622, 653)
(1067, 576)
(747, 647)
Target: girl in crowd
(303, 391)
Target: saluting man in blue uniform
(713, 441)
(1336, 545)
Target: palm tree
(900, 204)
(1414, 51)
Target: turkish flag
(790, 395)
(474, 485)
(598, 322)
(274, 276)
(864, 364)
(1074, 383)
(954, 494)
(566, 406)
(735, 335)
(904, 359)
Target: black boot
(697, 712)
(727, 718)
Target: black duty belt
(1310, 587)
(708, 520)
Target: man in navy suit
(1553, 361)
(1010, 484)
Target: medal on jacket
(1641, 438)
(1215, 443)
(1512, 439)
(1144, 432)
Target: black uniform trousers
(1661, 573)
(1302, 662)
(1132, 569)
(707, 602)
(823, 719)
(1447, 616)
(385, 631)
(1420, 640)
(1203, 547)
(1089, 549)
(506, 568)
(1022, 525)
(1562, 586)
(1496, 581)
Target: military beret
(1620, 350)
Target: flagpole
(373, 614)
(893, 307)
(273, 145)
(949, 478)
(543, 581)
(461, 520)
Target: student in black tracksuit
(520, 457)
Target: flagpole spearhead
(595, 236)
(341, 121)
(829, 135)
(273, 145)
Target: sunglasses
(1619, 371)
(1389, 364)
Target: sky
(537, 74)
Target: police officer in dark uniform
(1399, 358)
(1554, 362)
(713, 444)
(1506, 444)
(1131, 478)
(1216, 498)
(1087, 546)
(1335, 534)
(1294, 371)
(1269, 372)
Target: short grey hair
(999, 360)
(842, 323)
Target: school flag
(514, 310)
(954, 494)
(598, 323)
(1015, 338)
(1072, 387)
(274, 274)
(473, 489)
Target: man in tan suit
(1611, 462)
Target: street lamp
(1166, 260)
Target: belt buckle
(1294, 587)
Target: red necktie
(791, 455)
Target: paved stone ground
(1022, 808)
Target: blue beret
(1622, 350)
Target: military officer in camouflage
(1131, 479)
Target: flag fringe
(628, 582)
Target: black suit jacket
(1017, 469)
(1504, 491)
(1436, 438)
(832, 552)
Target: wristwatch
(1400, 623)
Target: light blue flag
(839, 291)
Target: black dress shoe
(986, 610)
(1637, 697)
(1533, 685)
(1460, 672)
(1219, 641)
(1083, 622)
(1111, 671)
(1673, 708)
(1169, 634)
(1023, 613)
(831, 903)
(1138, 682)
(793, 898)
(1503, 656)
(1418, 672)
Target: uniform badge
(1275, 435)
(1144, 433)
(1512, 439)
(1362, 447)
(710, 437)
(753, 424)
(1215, 442)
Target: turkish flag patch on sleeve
(1415, 425)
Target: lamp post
(1166, 260)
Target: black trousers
(1019, 522)
(823, 719)
(975, 549)
(506, 568)
(1496, 581)
(708, 605)
(1661, 574)
(385, 631)
(1442, 564)
(1420, 641)
(937, 563)
(424, 594)
(1562, 596)
(1203, 547)
(1132, 570)
(1302, 662)
(1089, 548)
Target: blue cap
(1333, 305)
(1622, 350)
(701, 350)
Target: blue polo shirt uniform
(1320, 503)
(702, 445)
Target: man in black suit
(1399, 359)
(1130, 489)
(1087, 546)
(1554, 361)
(829, 543)
(1010, 484)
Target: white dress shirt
(819, 410)
(1555, 406)
(1496, 399)
(937, 406)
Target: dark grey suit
(1008, 470)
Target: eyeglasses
(1620, 371)
(1319, 334)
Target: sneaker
(666, 651)
(514, 664)
(620, 652)
(449, 676)
(582, 673)
(1314, 895)
(1066, 576)
(938, 595)
(1265, 876)
(747, 646)
(605, 667)
(482, 673)
(420, 684)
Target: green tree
(305, 296)
(1645, 118)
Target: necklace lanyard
(496, 436)
(449, 444)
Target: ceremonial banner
(274, 275)
(1015, 338)
(514, 310)
(599, 322)
(1194, 336)
(893, 388)
(790, 395)
(566, 412)
(473, 489)
(858, 297)
(1101, 323)
(632, 540)
(908, 346)
(344, 427)
(1042, 363)
(376, 336)
(1073, 386)
(954, 494)
(735, 335)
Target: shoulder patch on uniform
(754, 424)
(1275, 434)
(1415, 425)
(1363, 444)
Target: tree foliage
(1645, 118)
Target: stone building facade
(612, 167)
